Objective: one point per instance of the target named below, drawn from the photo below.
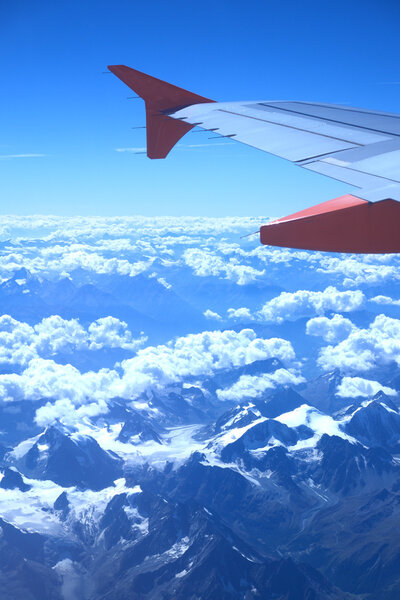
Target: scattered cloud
(198, 355)
(210, 314)
(356, 271)
(206, 263)
(303, 303)
(240, 314)
(364, 349)
(73, 395)
(355, 387)
(253, 386)
(332, 330)
(20, 342)
(385, 300)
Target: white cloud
(355, 271)
(109, 332)
(164, 283)
(354, 387)
(331, 330)
(198, 355)
(74, 395)
(239, 313)
(55, 334)
(20, 342)
(56, 246)
(16, 346)
(206, 263)
(253, 386)
(61, 262)
(291, 306)
(47, 379)
(365, 349)
(385, 300)
(210, 314)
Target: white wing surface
(356, 146)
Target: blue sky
(56, 102)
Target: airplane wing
(353, 145)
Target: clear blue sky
(56, 102)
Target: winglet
(160, 97)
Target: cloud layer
(20, 342)
(74, 395)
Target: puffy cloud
(354, 387)
(355, 271)
(290, 306)
(48, 379)
(239, 313)
(253, 386)
(206, 263)
(331, 330)
(198, 355)
(90, 248)
(365, 349)
(16, 345)
(203, 262)
(385, 300)
(210, 314)
(69, 261)
(68, 413)
(74, 395)
(109, 332)
(55, 334)
(20, 342)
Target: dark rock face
(69, 462)
(321, 393)
(377, 424)
(189, 553)
(346, 466)
(12, 480)
(278, 403)
(23, 573)
(136, 426)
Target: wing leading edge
(356, 146)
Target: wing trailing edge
(346, 224)
(160, 98)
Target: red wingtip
(346, 224)
(162, 131)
